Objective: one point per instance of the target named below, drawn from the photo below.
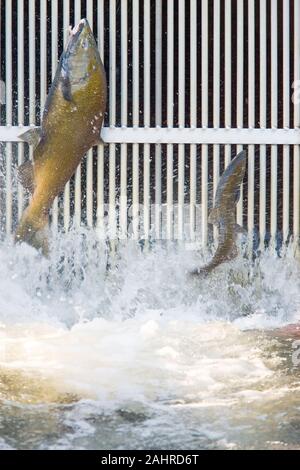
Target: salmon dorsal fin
(26, 176)
(32, 137)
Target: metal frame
(191, 142)
(182, 135)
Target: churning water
(142, 356)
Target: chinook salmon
(71, 125)
(223, 213)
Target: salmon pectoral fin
(26, 176)
(32, 137)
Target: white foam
(145, 333)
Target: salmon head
(80, 59)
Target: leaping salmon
(71, 125)
(223, 214)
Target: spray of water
(141, 355)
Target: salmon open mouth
(75, 32)
(77, 28)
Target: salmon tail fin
(41, 241)
(35, 235)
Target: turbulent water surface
(142, 356)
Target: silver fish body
(223, 214)
(71, 124)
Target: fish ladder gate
(190, 84)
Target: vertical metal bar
(181, 112)
(135, 118)
(31, 43)
(274, 109)
(240, 90)
(193, 116)
(124, 114)
(286, 118)
(20, 96)
(112, 119)
(89, 160)
(204, 118)
(170, 118)
(158, 108)
(262, 120)
(1, 89)
(216, 97)
(228, 103)
(100, 150)
(8, 101)
(296, 182)
(66, 21)
(54, 39)
(147, 39)
(43, 54)
(251, 113)
(77, 204)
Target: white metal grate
(190, 84)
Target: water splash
(188, 362)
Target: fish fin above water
(34, 233)
(41, 241)
(26, 176)
(32, 137)
(213, 217)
